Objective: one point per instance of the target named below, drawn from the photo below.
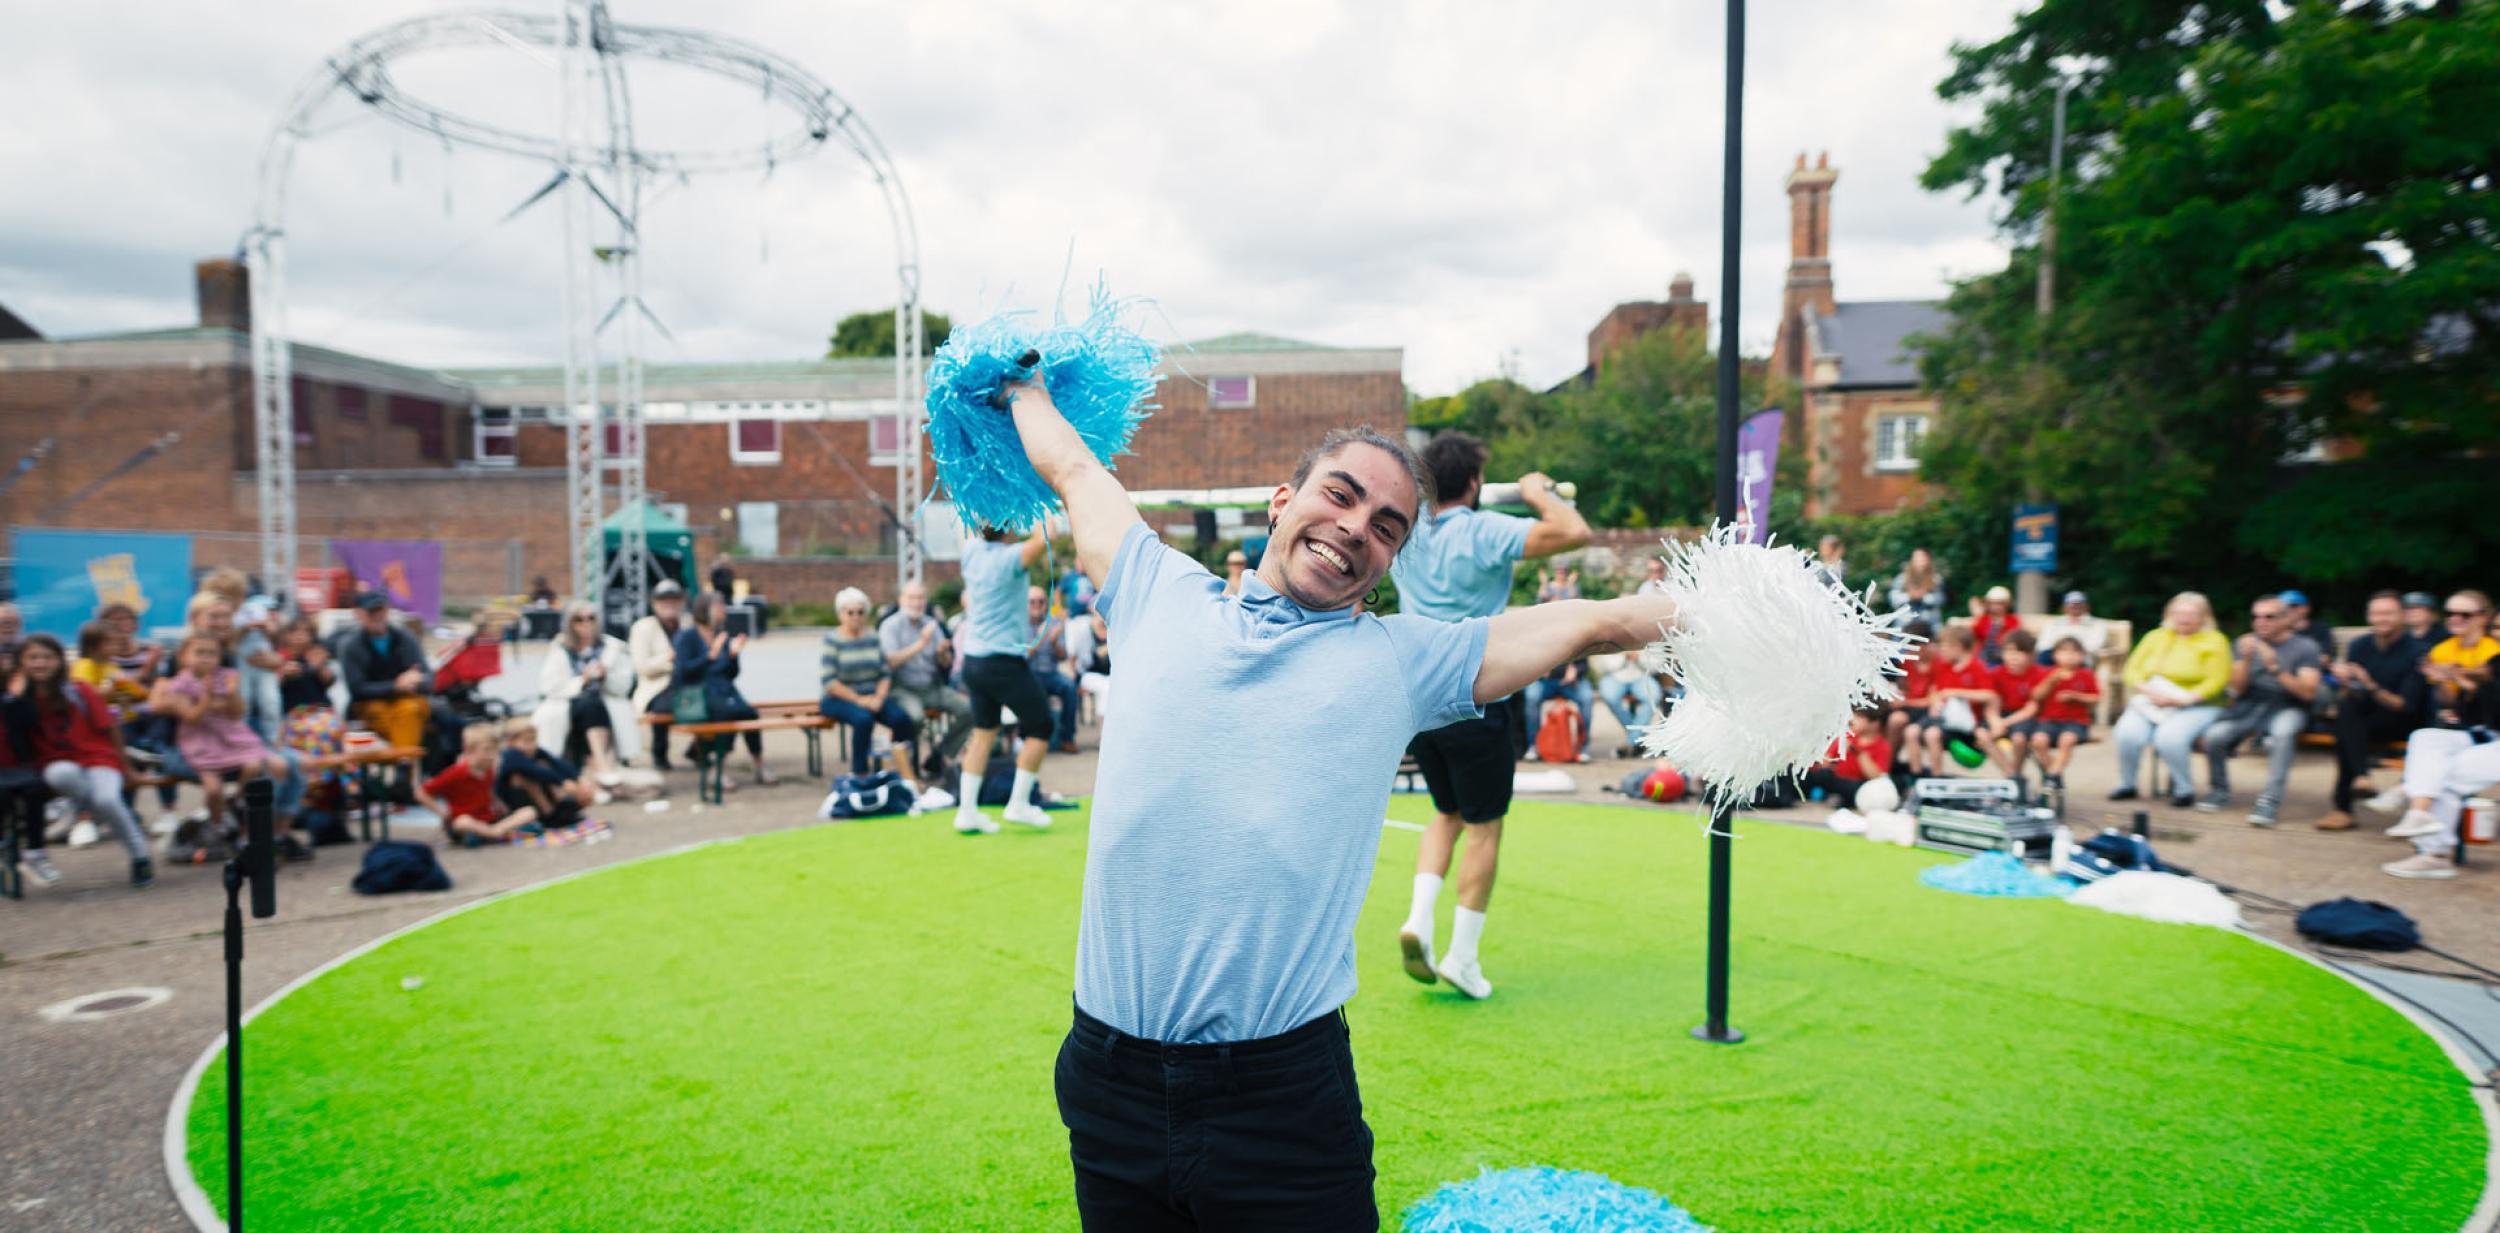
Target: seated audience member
(206, 703)
(2016, 682)
(311, 726)
(227, 583)
(859, 691)
(653, 644)
(1653, 577)
(79, 746)
(2273, 677)
(2296, 617)
(22, 793)
(1568, 680)
(919, 652)
(95, 668)
(587, 681)
(542, 593)
(136, 657)
(1918, 590)
(2378, 699)
(256, 659)
(2066, 697)
(386, 675)
(464, 794)
(1093, 663)
(1050, 650)
(1236, 567)
(707, 660)
(12, 627)
(1992, 622)
(1918, 691)
(1862, 755)
(2174, 676)
(1629, 691)
(528, 776)
(2075, 620)
(1964, 700)
(2458, 669)
(2443, 766)
(1828, 561)
(2422, 617)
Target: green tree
(2274, 231)
(871, 334)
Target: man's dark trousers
(1255, 1135)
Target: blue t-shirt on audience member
(995, 618)
(1236, 822)
(1458, 565)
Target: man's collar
(1272, 606)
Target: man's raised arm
(1526, 643)
(1099, 511)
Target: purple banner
(1757, 455)
(408, 571)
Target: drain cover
(105, 1005)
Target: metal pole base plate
(1724, 1036)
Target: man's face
(1657, 570)
(12, 623)
(2386, 617)
(1335, 536)
(2078, 610)
(2295, 615)
(2270, 621)
(669, 608)
(915, 599)
(376, 621)
(1036, 602)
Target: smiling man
(1208, 1082)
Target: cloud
(1474, 182)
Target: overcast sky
(1474, 182)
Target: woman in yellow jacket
(2191, 655)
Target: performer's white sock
(969, 800)
(1021, 793)
(1465, 929)
(1419, 916)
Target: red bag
(1558, 734)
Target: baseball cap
(2300, 598)
(373, 601)
(2420, 599)
(2077, 597)
(668, 589)
(1999, 595)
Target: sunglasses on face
(2464, 614)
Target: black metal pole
(234, 1045)
(1714, 1027)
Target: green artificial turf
(852, 1027)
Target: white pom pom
(1772, 658)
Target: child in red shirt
(464, 794)
(1856, 758)
(2015, 681)
(2067, 695)
(1958, 674)
(1918, 688)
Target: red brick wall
(816, 580)
(1186, 444)
(1841, 452)
(97, 419)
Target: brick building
(1634, 318)
(788, 464)
(1864, 410)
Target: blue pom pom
(1998, 874)
(1547, 1200)
(1100, 373)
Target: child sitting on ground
(2016, 680)
(2067, 694)
(464, 794)
(1862, 755)
(527, 777)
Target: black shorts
(1467, 765)
(2053, 730)
(1006, 682)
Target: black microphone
(260, 846)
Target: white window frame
(755, 518)
(1898, 459)
(754, 458)
(885, 457)
(487, 426)
(1250, 398)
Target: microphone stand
(253, 864)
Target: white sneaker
(2389, 801)
(58, 815)
(1026, 813)
(2415, 824)
(1467, 978)
(39, 866)
(83, 834)
(2421, 865)
(1416, 948)
(974, 822)
(934, 798)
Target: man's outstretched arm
(1099, 511)
(1526, 643)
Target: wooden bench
(368, 764)
(711, 748)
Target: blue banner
(2035, 539)
(64, 576)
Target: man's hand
(408, 681)
(738, 646)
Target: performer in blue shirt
(1458, 566)
(1207, 1080)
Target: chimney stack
(1809, 285)
(225, 291)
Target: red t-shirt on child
(1917, 681)
(468, 793)
(1843, 757)
(2081, 682)
(2014, 688)
(1970, 675)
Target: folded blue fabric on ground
(1998, 874)
(1540, 1199)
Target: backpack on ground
(2359, 924)
(867, 796)
(395, 865)
(1558, 733)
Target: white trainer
(1467, 978)
(2415, 824)
(2421, 865)
(1416, 948)
(1026, 813)
(974, 822)
(2389, 801)
(933, 798)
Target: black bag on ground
(392, 866)
(2358, 924)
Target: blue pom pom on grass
(1996, 874)
(1540, 1199)
(1100, 373)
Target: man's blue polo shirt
(1458, 564)
(1237, 809)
